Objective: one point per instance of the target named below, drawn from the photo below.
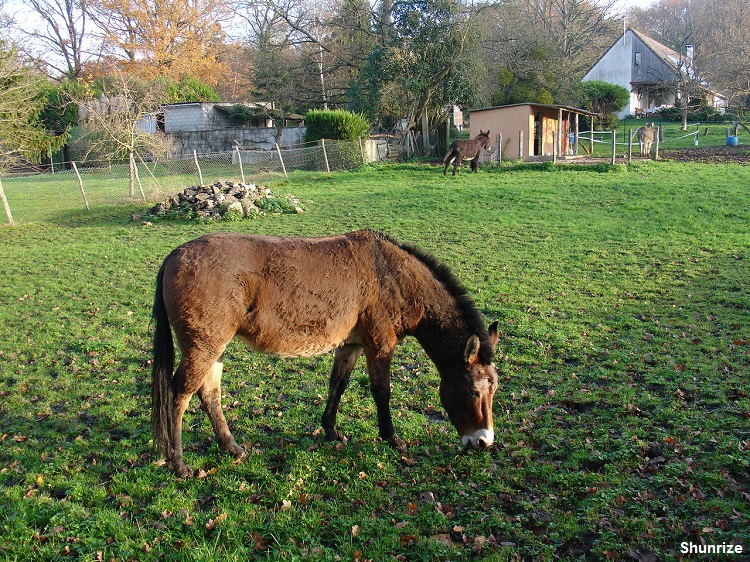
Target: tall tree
(162, 37)
(427, 58)
(22, 134)
(724, 54)
(22, 97)
(543, 48)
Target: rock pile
(226, 200)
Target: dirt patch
(712, 154)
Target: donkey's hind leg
(457, 162)
(197, 372)
(210, 395)
(188, 378)
(343, 364)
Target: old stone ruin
(226, 200)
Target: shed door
(538, 133)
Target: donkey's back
(284, 296)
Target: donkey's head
(467, 394)
(484, 139)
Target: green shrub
(701, 115)
(337, 124)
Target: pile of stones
(226, 200)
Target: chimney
(690, 53)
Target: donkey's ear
(494, 336)
(471, 354)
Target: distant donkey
(645, 138)
(466, 149)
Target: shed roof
(545, 105)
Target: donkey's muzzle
(481, 440)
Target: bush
(701, 115)
(337, 124)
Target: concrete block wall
(223, 140)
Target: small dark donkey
(466, 149)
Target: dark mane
(445, 276)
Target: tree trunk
(131, 176)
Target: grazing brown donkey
(645, 138)
(466, 149)
(357, 293)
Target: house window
(637, 59)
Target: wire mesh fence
(91, 185)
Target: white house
(648, 70)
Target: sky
(636, 3)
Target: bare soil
(715, 154)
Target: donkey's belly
(299, 344)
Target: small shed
(530, 131)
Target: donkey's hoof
(397, 443)
(236, 451)
(335, 435)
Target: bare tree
(115, 123)
(59, 38)
(725, 52)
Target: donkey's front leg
(343, 364)
(379, 369)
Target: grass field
(622, 417)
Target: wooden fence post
(239, 159)
(520, 144)
(80, 184)
(325, 154)
(278, 151)
(656, 144)
(614, 146)
(6, 205)
(198, 166)
(630, 145)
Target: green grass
(622, 418)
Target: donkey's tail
(162, 369)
